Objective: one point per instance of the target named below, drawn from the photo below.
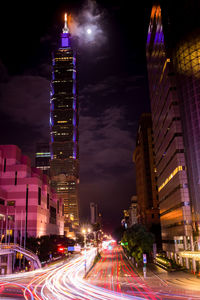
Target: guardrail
(10, 248)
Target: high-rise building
(64, 164)
(42, 157)
(93, 213)
(147, 195)
(170, 162)
(182, 31)
(133, 212)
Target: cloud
(104, 146)
(25, 99)
(92, 18)
(113, 84)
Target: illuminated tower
(171, 168)
(64, 128)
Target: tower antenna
(65, 29)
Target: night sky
(112, 84)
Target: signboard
(70, 248)
(74, 248)
(144, 258)
(77, 248)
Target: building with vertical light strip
(172, 179)
(64, 164)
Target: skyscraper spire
(64, 143)
(65, 35)
(65, 29)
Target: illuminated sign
(190, 254)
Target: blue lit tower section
(64, 127)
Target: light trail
(22, 287)
(140, 290)
(67, 282)
(114, 265)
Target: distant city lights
(108, 244)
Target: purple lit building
(28, 204)
(64, 164)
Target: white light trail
(67, 282)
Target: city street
(115, 272)
(113, 277)
(100, 150)
(57, 281)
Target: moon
(89, 31)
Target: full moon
(89, 31)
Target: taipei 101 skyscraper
(64, 164)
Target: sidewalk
(176, 283)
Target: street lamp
(84, 231)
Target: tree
(137, 240)
(45, 247)
(96, 227)
(32, 243)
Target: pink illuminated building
(28, 206)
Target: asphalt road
(112, 278)
(115, 272)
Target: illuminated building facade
(64, 164)
(28, 205)
(147, 195)
(42, 157)
(172, 180)
(183, 39)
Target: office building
(170, 162)
(93, 213)
(143, 157)
(64, 164)
(182, 31)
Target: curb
(92, 266)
